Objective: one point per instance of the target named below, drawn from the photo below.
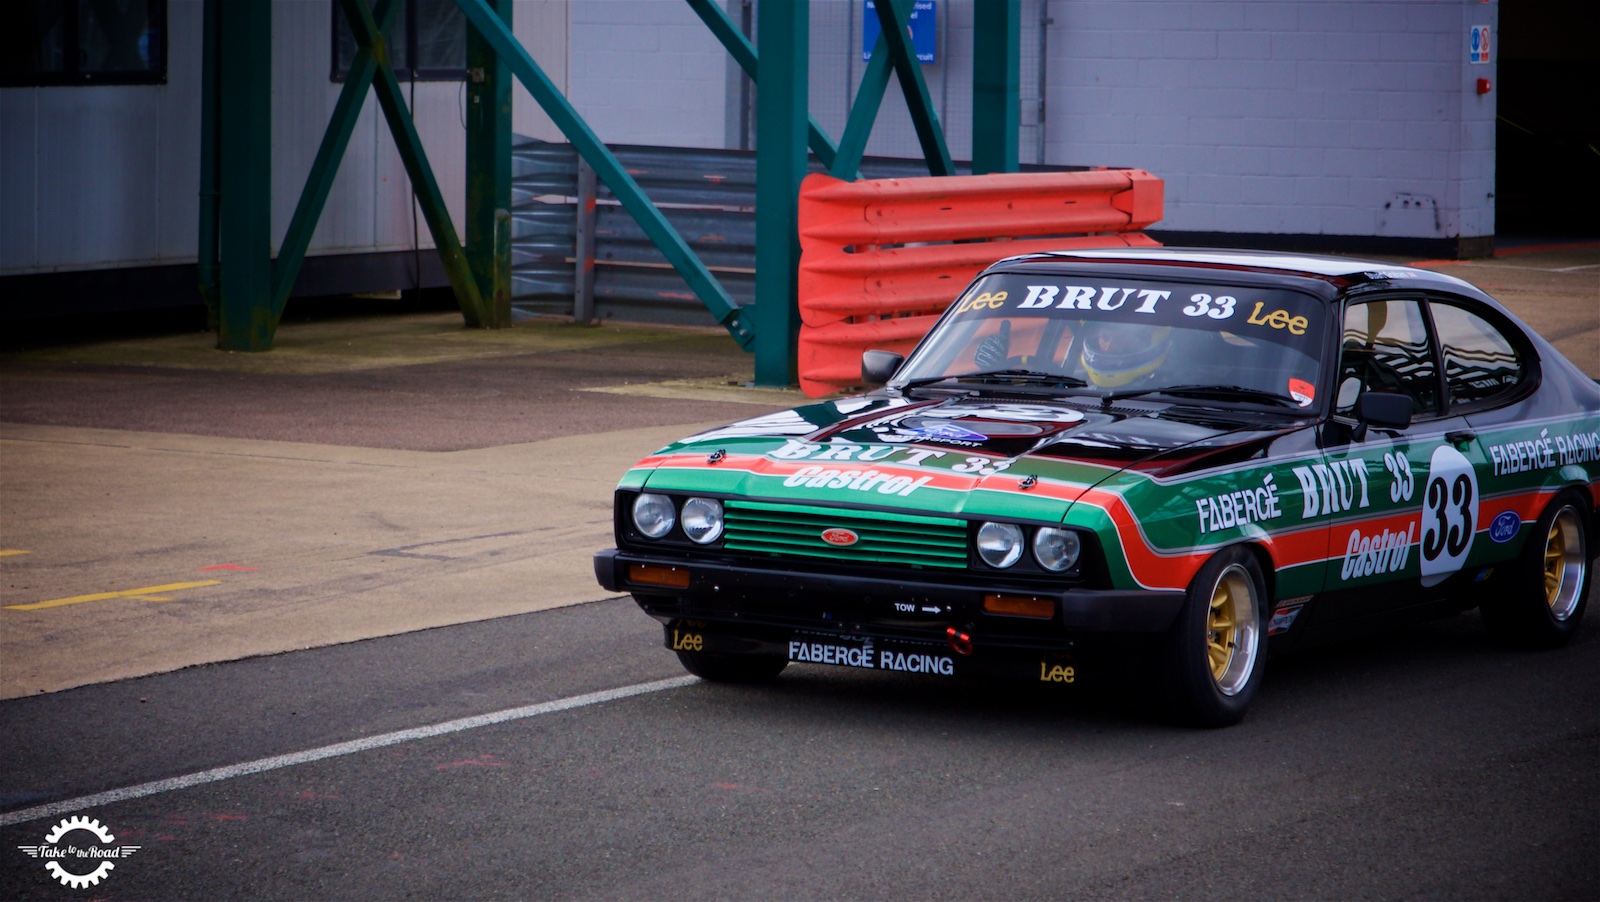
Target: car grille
(884, 538)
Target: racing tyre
(1541, 602)
(1216, 651)
(732, 668)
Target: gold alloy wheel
(1232, 630)
(1563, 564)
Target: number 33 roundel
(1449, 514)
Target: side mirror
(877, 367)
(1386, 410)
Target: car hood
(943, 453)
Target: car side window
(1385, 348)
(1480, 364)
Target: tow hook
(960, 642)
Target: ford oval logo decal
(1504, 528)
(840, 536)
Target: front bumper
(754, 607)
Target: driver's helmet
(1117, 354)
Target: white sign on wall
(1478, 50)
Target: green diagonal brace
(863, 112)
(369, 55)
(893, 16)
(739, 48)
(426, 187)
(623, 187)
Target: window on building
(428, 41)
(84, 42)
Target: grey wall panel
(178, 135)
(1309, 118)
(109, 176)
(98, 198)
(19, 214)
(1293, 118)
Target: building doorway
(1547, 158)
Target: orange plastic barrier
(872, 276)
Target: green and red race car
(1194, 453)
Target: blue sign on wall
(923, 27)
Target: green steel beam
(489, 170)
(244, 64)
(996, 109)
(372, 51)
(206, 269)
(423, 184)
(893, 17)
(623, 187)
(784, 40)
(716, 19)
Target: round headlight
(653, 515)
(1056, 549)
(999, 544)
(702, 519)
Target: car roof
(1348, 270)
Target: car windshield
(1127, 337)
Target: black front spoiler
(1064, 666)
(915, 605)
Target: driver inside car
(1124, 355)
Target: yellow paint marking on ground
(103, 596)
(7, 552)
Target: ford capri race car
(1198, 453)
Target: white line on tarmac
(262, 765)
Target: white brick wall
(1308, 117)
(648, 72)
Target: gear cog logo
(99, 851)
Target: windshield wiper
(1225, 392)
(1006, 375)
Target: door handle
(1460, 436)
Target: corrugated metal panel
(707, 195)
(544, 194)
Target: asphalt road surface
(196, 522)
(1424, 763)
